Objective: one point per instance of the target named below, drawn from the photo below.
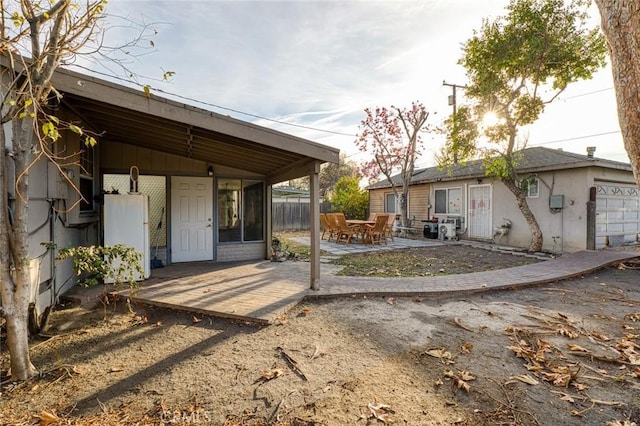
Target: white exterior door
(480, 211)
(191, 219)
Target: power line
(585, 94)
(579, 137)
(186, 98)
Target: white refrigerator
(126, 221)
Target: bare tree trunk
(620, 21)
(521, 200)
(16, 287)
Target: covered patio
(257, 292)
(184, 143)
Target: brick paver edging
(564, 267)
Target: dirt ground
(562, 354)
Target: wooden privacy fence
(288, 216)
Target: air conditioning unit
(447, 230)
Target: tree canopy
(516, 65)
(392, 137)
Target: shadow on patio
(257, 291)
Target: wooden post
(591, 219)
(314, 186)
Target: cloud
(313, 63)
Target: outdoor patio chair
(333, 226)
(372, 216)
(326, 227)
(376, 234)
(389, 226)
(345, 232)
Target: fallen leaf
(466, 348)
(115, 369)
(466, 375)
(633, 316)
(576, 348)
(463, 385)
(567, 397)
(270, 374)
(439, 353)
(525, 378)
(571, 334)
(391, 300)
(579, 386)
(47, 418)
(600, 336)
(380, 411)
(195, 319)
(305, 311)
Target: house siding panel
(418, 202)
(376, 200)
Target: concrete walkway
(263, 291)
(564, 267)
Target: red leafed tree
(392, 137)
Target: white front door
(191, 219)
(480, 211)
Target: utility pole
(452, 97)
(452, 101)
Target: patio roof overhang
(129, 116)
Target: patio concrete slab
(262, 292)
(258, 292)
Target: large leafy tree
(392, 136)
(621, 26)
(461, 133)
(349, 198)
(36, 38)
(519, 63)
(331, 173)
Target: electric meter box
(556, 201)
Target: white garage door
(617, 214)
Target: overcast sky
(320, 63)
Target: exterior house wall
(50, 206)
(418, 203)
(567, 225)
(376, 200)
(418, 199)
(563, 230)
(119, 158)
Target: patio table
(361, 224)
